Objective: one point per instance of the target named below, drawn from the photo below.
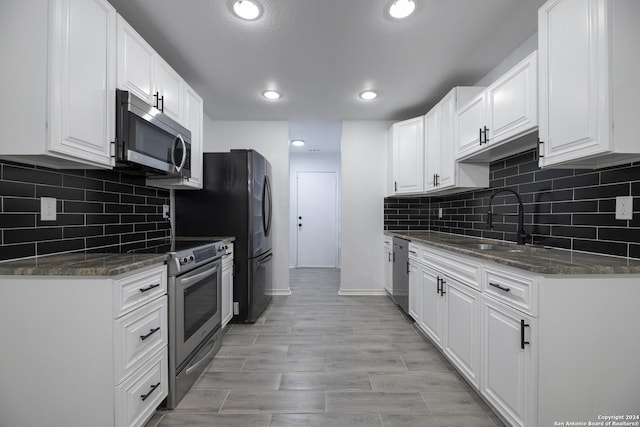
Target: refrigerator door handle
(266, 206)
(265, 260)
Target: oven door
(197, 306)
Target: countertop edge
(548, 265)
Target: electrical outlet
(47, 209)
(439, 212)
(165, 211)
(624, 207)
(236, 308)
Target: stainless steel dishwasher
(400, 283)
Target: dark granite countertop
(537, 259)
(79, 264)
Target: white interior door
(317, 219)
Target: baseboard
(362, 292)
(280, 292)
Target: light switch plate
(165, 211)
(624, 207)
(47, 209)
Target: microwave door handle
(184, 153)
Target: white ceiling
(321, 53)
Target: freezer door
(260, 285)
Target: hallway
(318, 359)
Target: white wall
(271, 139)
(364, 183)
(309, 162)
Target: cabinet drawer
(138, 289)
(456, 267)
(414, 251)
(137, 335)
(516, 290)
(138, 397)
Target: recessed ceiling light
(297, 142)
(368, 95)
(271, 94)
(247, 9)
(402, 8)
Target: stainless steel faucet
(522, 234)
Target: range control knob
(184, 260)
(191, 258)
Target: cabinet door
(432, 305)
(513, 101)
(388, 254)
(573, 80)
(462, 343)
(82, 80)
(408, 156)
(170, 88)
(508, 378)
(432, 151)
(136, 63)
(193, 117)
(415, 293)
(446, 176)
(471, 120)
(227, 290)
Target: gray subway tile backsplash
(566, 208)
(97, 211)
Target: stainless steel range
(194, 311)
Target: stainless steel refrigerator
(235, 201)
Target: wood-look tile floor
(319, 359)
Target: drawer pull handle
(502, 288)
(144, 397)
(413, 252)
(148, 288)
(151, 332)
(522, 341)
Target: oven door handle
(188, 281)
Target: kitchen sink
(491, 247)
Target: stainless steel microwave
(148, 141)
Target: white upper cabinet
(589, 62)
(60, 85)
(472, 122)
(512, 101)
(170, 90)
(505, 111)
(408, 156)
(443, 174)
(143, 72)
(136, 58)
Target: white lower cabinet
(462, 336)
(227, 286)
(508, 362)
(448, 312)
(433, 305)
(83, 350)
(540, 348)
